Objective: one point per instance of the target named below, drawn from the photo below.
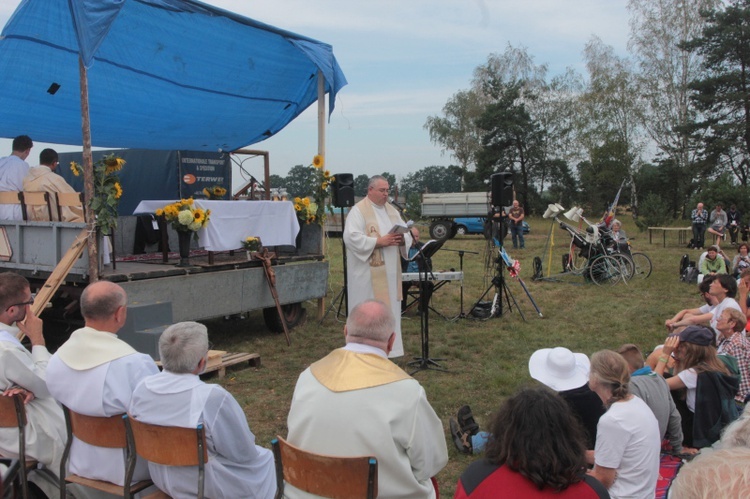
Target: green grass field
(486, 359)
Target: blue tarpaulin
(162, 74)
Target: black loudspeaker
(502, 189)
(343, 190)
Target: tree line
(672, 118)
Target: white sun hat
(559, 368)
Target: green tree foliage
(360, 185)
(512, 139)
(300, 181)
(601, 177)
(723, 96)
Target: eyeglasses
(30, 302)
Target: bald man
(95, 373)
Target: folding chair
(12, 197)
(106, 432)
(171, 446)
(328, 476)
(72, 200)
(13, 415)
(37, 201)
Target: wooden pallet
(231, 359)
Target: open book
(399, 228)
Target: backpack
(689, 275)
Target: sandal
(466, 420)
(461, 439)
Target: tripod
(342, 298)
(461, 314)
(425, 294)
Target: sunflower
(118, 190)
(159, 212)
(206, 193)
(219, 191)
(318, 161)
(198, 215)
(75, 168)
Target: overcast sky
(403, 60)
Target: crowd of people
(593, 427)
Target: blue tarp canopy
(162, 74)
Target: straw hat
(559, 368)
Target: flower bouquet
(251, 245)
(314, 211)
(107, 190)
(215, 192)
(186, 218)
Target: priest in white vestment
(13, 169)
(236, 467)
(43, 178)
(24, 372)
(373, 256)
(356, 402)
(94, 373)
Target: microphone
(397, 205)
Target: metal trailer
(442, 208)
(161, 294)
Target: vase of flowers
(215, 192)
(187, 219)
(252, 245)
(311, 209)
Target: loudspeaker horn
(552, 210)
(573, 214)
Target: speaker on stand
(342, 196)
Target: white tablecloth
(275, 222)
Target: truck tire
(441, 229)
(294, 313)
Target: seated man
(652, 389)
(713, 263)
(717, 223)
(177, 397)
(24, 372)
(723, 289)
(356, 402)
(94, 373)
(13, 169)
(44, 178)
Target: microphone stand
(461, 314)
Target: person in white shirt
(23, 372)
(356, 402)
(13, 169)
(94, 373)
(236, 467)
(626, 456)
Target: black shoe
(466, 420)
(461, 439)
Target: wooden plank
(47, 291)
(231, 359)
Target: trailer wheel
(441, 229)
(294, 313)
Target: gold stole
(343, 371)
(378, 273)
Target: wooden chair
(171, 446)
(68, 200)
(106, 432)
(327, 476)
(33, 200)
(13, 415)
(12, 197)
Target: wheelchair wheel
(606, 270)
(628, 266)
(642, 265)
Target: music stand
(425, 294)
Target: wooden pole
(322, 153)
(88, 175)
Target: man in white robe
(94, 373)
(24, 372)
(373, 256)
(236, 467)
(356, 402)
(43, 178)
(13, 169)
